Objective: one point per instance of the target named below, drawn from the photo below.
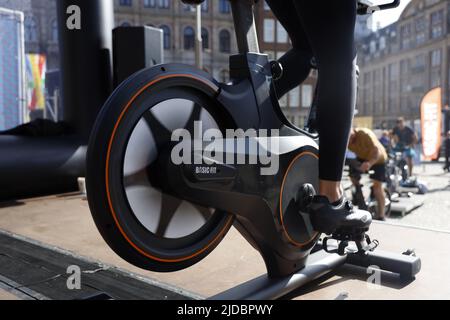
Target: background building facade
(178, 24)
(402, 62)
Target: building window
(294, 98)
(189, 38)
(373, 47)
(284, 101)
(149, 3)
(126, 3)
(421, 27)
(225, 41)
(166, 37)
(205, 6)
(54, 31)
(394, 72)
(224, 6)
(405, 32)
(269, 30)
(382, 43)
(193, 8)
(435, 79)
(437, 22)
(282, 36)
(31, 30)
(436, 58)
(404, 67)
(307, 95)
(205, 38)
(164, 4)
(419, 62)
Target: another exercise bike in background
(362, 195)
(398, 181)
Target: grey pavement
(435, 213)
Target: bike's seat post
(245, 26)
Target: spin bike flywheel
(134, 208)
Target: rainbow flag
(36, 66)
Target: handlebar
(366, 7)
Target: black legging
(324, 30)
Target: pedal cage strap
(367, 245)
(340, 250)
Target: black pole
(446, 120)
(86, 55)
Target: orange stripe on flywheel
(281, 202)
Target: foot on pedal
(342, 220)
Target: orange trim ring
(281, 201)
(108, 156)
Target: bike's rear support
(320, 264)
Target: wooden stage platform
(64, 223)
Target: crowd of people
(372, 154)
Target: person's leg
(410, 163)
(379, 196)
(297, 61)
(355, 178)
(378, 178)
(330, 33)
(335, 55)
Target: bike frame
(251, 103)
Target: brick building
(402, 62)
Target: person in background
(386, 140)
(447, 152)
(405, 138)
(372, 157)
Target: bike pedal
(350, 234)
(340, 249)
(363, 244)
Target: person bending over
(372, 156)
(325, 32)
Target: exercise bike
(165, 216)
(399, 183)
